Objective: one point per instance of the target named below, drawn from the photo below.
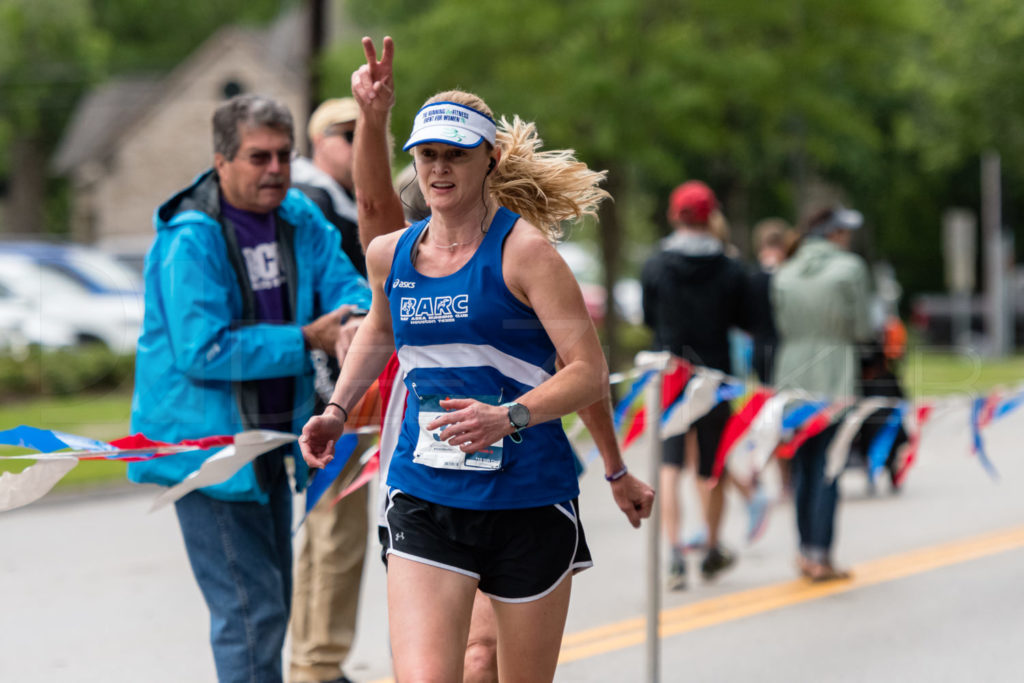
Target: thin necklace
(450, 247)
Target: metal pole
(995, 273)
(315, 32)
(646, 360)
(961, 320)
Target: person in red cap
(691, 204)
(692, 295)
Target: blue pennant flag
(797, 415)
(978, 443)
(42, 440)
(881, 445)
(343, 450)
(1009, 405)
(634, 391)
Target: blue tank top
(466, 335)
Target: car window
(54, 282)
(103, 272)
(33, 281)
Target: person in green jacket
(820, 298)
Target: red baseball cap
(691, 203)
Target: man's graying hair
(251, 111)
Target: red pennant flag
(736, 427)
(814, 426)
(672, 387)
(923, 413)
(371, 468)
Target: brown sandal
(820, 573)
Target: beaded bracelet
(618, 474)
(338, 406)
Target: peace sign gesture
(373, 83)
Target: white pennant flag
(699, 397)
(224, 463)
(839, 450)
(33, 482)
(765, 432)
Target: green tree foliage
(157, 34)
(51, 51)
(890, 100)
(756, 98)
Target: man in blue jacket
(245, 277)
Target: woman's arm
(369, 352)
(379, 207)
(634, 497)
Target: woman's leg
(482, 649)
(429, 611)
(530, 635)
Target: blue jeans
(815, 499)
(241, 556)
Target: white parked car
(59, 295)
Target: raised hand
(373, 83)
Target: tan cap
(330, 112)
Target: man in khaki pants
(333, 542)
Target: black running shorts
(709, 435)
(517, 555)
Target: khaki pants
(327, 578)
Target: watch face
(519, 415)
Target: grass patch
(934, 373)
(101, 417)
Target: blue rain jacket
(200, 355)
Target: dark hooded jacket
(692, 294)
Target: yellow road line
(718, 610)
(631, 632)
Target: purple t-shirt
(257, 238)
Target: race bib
(433, 452)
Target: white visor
(451, 124)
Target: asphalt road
(94, 588)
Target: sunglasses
(349, 135)
(263, 157)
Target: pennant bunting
(323, 479)
(23, 436)
(881, 447)
(699, 397)
(978, 410)
(33, 482)
(736, 427)
(632, 397)
(673, 395)
(224, 463)
(767, 424)
(1008, 405)
(766, 431)
(818, 422)
(370, 469)
(923, 412)
(839, 449)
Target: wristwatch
(518, 417)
